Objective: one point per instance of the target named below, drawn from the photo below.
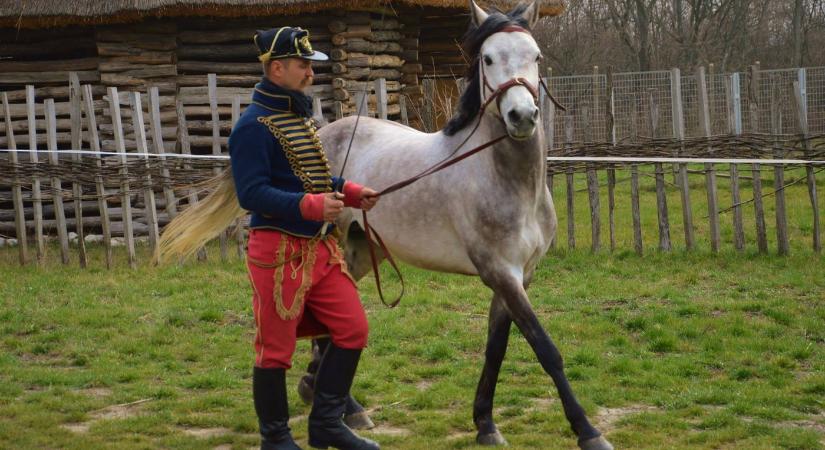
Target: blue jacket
(277, 158)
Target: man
(300, 281)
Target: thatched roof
(50, 13)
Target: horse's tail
(201, 222)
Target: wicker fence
(755, 121)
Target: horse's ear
(478, 14)
(531, 14)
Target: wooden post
(236, 115)
(592, 177)
(94, 142)
(128, 232)
(661, 195)
(157, 147)
(427, 110)
(57, 188)
(756, 170)
(402, 103)
(381, 98)
(682, 179)
(338, 110)
(37, 197)
(17, 188)
(148, 193)
(317, 110)
(361, 106)
(77, 142)
(734, 102)
(710, 172)
(548, 121)
(212, 80)
(568, 145)
(183, 141)
(782, 243)
(800, 95)
(611, 172)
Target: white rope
(599, 159)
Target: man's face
(292, 73)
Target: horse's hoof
(596, 443)
(494, 438)
(359, 421)
(305, 391)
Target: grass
(684, 350)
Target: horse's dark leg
(498, 335)
(510, 289)
(354, 414)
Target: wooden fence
(116, 197)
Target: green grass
(668, 350)
(681, 350)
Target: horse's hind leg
(510, 289)
(498, 335)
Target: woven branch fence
(682, 133)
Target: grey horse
(491, 215)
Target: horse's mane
(470, 102)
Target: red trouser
(310, 295)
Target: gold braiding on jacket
(303, 149)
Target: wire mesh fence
(642, 104)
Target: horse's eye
(488, 60)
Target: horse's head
(508, 65)
(504, 74)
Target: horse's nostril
(535, 114)
(514, 116)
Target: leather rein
(496, 95)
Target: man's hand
(333, 205)
(368, 198)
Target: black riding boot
(269, 394)
(332, 385)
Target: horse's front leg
(510, 289)
(498, 335)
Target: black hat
(286, 42)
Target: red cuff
(352, 194)
(312, 207)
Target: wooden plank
(802, 121)
(139, 130)
(17, 189)
(216, 147)
(427, 111)
(756, 170)
(157, 147)
(710, 171)
(571, 221)
(57, 189)
(86, 76)
(361, 107)
(239, 229)
(49, 66)
(94, 142)
(77, 143)
(682, 179)
(128, 230)
(381, 95)
(36, 194)
(183, 141)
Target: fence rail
(640, 128)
